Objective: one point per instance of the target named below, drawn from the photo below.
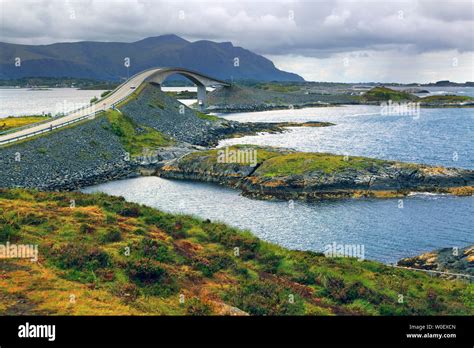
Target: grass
(136, 92)
(209, 157)
(207, 117)
(135, 139)
(183, 95)
(386, 94)
(303, 163)
(12, 122)
(278, 87)
(151, 259)
(275, 162)
(446, 99)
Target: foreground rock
(450, 260)
(271, 173)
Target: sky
(321, 40)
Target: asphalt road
(119, 93)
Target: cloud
(381, 66)
(303, 25)
(316, 29)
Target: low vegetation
(207, 117)
(378, 94)
(105, 94)
(276, 162)
(210, 157)
(303, 163)
(446, 99)
(280, 87)
(99, 255)
(182, 94)
(135, 138)
(61, 82)
(12, 122)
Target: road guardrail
(53, 127)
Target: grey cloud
(312, 28)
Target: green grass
(446, 99)
(386, 94)
(209, 157)
(82, 251)
(274, 162)
(135, 142)
(136, 92)
(278, 87)
(207, 117)
(303, 163)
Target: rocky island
(285, 174)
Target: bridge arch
(200, 80)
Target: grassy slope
(83, 267)
(15, 122)
(210, 157)
(135, 141)
(275, 162)
(386, 94)
(303, 163)
(446, 99)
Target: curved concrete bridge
(122, 92)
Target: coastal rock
(450, 260)
(285, 174)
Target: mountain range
(106, 60)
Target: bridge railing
(53, 127)
(50, 128)
(13, 130)
(49, 119)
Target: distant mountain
(105, 60)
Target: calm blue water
(388, 233)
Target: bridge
(121, 93)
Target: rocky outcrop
(285, 174)
(449, 260)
